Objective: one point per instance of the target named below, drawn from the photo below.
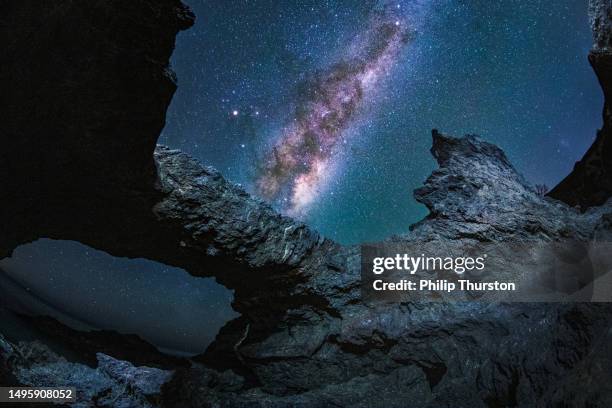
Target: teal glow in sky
(514, 72)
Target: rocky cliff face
(85, 88)
(305, 336)
(590, 183)
(345, 352)
(319, 344)
(477, 194)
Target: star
(297, 168)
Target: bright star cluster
(325, 108)
(301, 161)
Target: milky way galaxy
(297, 167)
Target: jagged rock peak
(476, 192)
(471, 171)
(445, 148)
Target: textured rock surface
(590, 183)
(477, 194)
(354, 354)
(114, 383)
(600, 14)
(305, 337)
(6, 369)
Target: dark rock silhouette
(7, 352)
(590, 183)
(80, 164)
(85, 345)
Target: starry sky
(514, 72)
(325, 109)
(89, 289)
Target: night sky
(325, 109)
(514, 72)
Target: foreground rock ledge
(305, 337)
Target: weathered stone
(80, 164)
(114, 383)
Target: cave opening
(89, 290)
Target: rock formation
(80, 164)
(590, 183)
(113, 383)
